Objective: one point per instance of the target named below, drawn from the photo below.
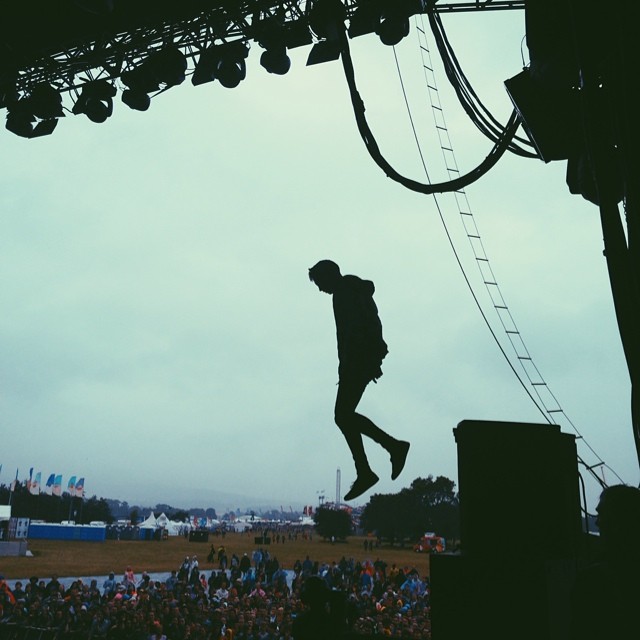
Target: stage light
(394, 19)
(326, 20)
(548, 115)
(326, 17)
(323, 51)
(270, 35)
(95, 100)
(45, 102)
(165, 66)
(34, 115)
(275, 60)
(136, 99)
(232, 68)
(393, 27)
(205, 70)
(224, 62)
(20, 121)
(140, 79)
(169, 65)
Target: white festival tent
(149, 523)
(173, 528)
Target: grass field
(67, 558)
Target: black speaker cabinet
(518, 489)
(520, 535)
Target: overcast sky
(159, 334)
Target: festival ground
(67, 558)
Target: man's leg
(354, 425)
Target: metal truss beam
(104, 48)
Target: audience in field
(251, 600)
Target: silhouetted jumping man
(361, 350)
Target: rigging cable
(457, 185)
(457, 255)
(486, 123)
(372, 146)
(482, 261)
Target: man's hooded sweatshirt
(361, 347)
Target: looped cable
(461, 182)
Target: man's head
(325, 275)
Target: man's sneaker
(398, 458)
(361, 484)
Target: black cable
(459, 261)
(372, 146)
(469, 100)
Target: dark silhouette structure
(577, 103)
(607, 592)
(361, 349)
(520, 535)
(326, 614)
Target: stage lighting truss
(146, 60)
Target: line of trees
(427, 505)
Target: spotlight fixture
(45, 102)
(275, 60)
(141, 79)
(224, 62)
(95, 100)
(35, 115)
(270, 34)
(140, 82)
(136, 99)
(326, 20)
(232, 68)
(21, 119)
(394, 24)
(165, 66)
(205, 70)
(324, 51)
(547, 114)
(169, 66)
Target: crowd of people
(245, 598)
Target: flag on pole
(57, 486)
(80, 488)
(71, 487)
(50, 482)
(29, 480)
(34, 487)
(14, 482)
